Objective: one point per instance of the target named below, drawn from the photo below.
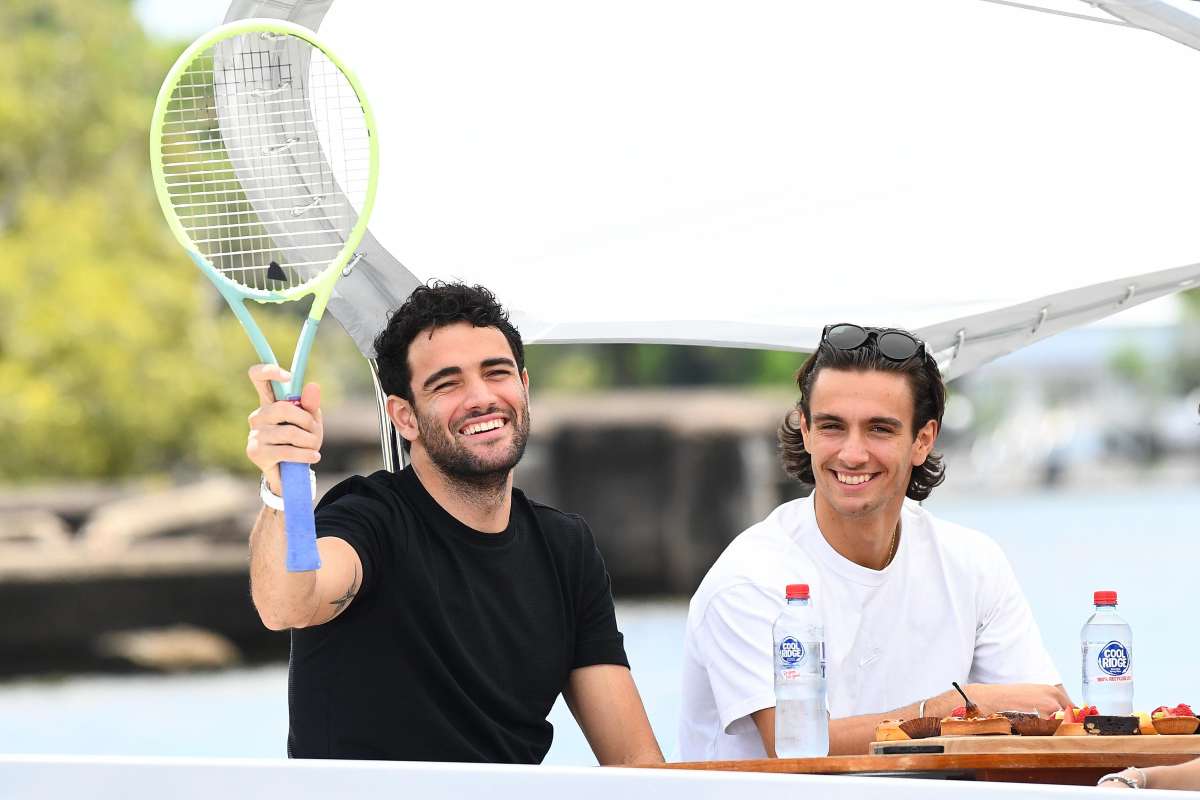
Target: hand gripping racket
(265, 160)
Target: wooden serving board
(1040, 744)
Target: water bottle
(1107, 644)
(801, 715)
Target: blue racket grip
(298, 519)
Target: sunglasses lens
(846, 337)
(897, 346)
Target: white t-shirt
(948, 608)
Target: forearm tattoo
(343, 601)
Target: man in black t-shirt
(449, 611)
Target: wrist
(1133, 777)
(940, 705)
(273, 498)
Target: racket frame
(302, 556)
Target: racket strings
(266, 157)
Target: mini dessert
(1028, 723)
(1177, 721)
(1145, 723)
(1110, 724)
(889, 731)
(1181, 710)
(1176, 726)
(1037, 727)
(1072, 720)
(968, 720)
(991, 725)
(922, 727)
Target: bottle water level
(802, 721)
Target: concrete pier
(144, 576)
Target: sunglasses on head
(891, 343)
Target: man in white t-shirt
(909, 602)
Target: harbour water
(1063, 545)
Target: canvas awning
(741, 174)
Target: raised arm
(609, 710)
(280, 431)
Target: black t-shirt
(458, 642)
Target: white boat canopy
(983, 173)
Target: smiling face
(861, 440)
(470, 410)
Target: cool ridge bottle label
(1114, 663)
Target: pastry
(1111, 724)
(1175, 721)
(889, 731)
(1035, 726)
(962, 722)
(922, 727)
(1070, 729)
(968, 720)
(1176, 726)
(1028, 723)
(1072, 720)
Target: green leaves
(116, 356)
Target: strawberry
(1182, 710)
(959, 712)
(1086, 711)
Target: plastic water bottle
(1107, 644)
(801, 715)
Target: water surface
(1062, 545)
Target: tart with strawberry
(968, 720)
(1072, 720)
(1175, 721)
(962, 722)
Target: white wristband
(1132, 783)
(272, 500)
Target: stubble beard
(863, 508)
(466, 472)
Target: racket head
(265, 160)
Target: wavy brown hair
(929, 402)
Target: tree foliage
(116, 356)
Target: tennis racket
(265, 160)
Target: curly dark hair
(429, 307)
(929, 402)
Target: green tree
(1191, 303)
(116, 356)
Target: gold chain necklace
(892, 549)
